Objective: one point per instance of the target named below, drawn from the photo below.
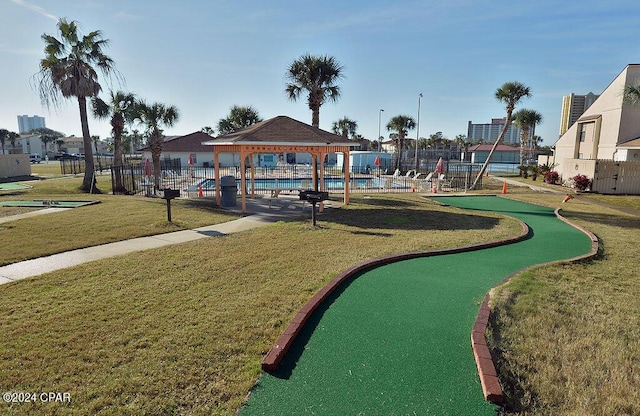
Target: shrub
(551, 177)
(581, 182)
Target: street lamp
(379, 136)
(418, 131)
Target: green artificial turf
(47, 203)
(396, 339)
(13, 186)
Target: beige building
(609, 130)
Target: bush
(581, 182)
(551, 177)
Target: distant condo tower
(489, 132)
(26, 123)
(572, 108)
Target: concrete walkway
(261, 212)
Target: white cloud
(35, 8)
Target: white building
(489, 132)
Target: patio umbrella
(439, 166)
(190, 160)
(377, 162)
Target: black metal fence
(193, 181)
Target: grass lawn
(567, 338)
(115, 218)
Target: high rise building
(26, 123)
(489, 132)
(572, 108)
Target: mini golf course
(47, 203)
(13, 186)
(395, 339)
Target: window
(583, 132)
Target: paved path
(261, 212)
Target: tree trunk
(523, 143)
(315, 116)
(155, 143)
(117, 155)
(493, 149)
(89, 181)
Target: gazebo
(280, 134)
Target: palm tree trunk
(523, 143)
(155, 144)
(493, 149)
(89, 180)
(315, 116)
(117, 157)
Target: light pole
(418, 131)
(379, 136)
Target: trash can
(229, 191)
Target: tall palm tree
(4, 133)
(510, 93)
(239, 118)
(154, 117)
(401, 124)
(345, 127)
(119, 110)
(69, 70)
(526, 120)
(317, 76)
(632, 94)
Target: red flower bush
(581, 182)
(551, 176)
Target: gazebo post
(216, 172)
(243, 181)
(314, 174)
(253, 176)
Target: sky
(204, 56)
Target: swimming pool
(295, 183)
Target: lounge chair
(425, 184)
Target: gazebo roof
(281, 130)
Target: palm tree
(526, 120)
(4, 133)
(239, 118)
(632, 94)
(69, 70)
(402, 125)
(12, 136)
(316, 75)
(119, 110)
(154, 117)
(209, 130)
(345, 127)
(510, 93)
(47, 135)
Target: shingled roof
(282, 130)
(191, 143)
